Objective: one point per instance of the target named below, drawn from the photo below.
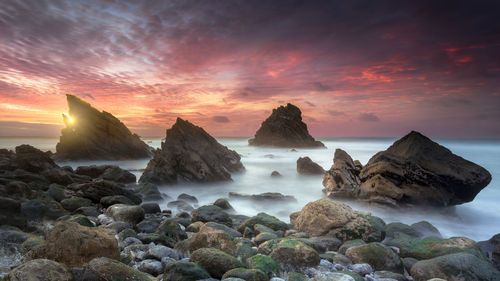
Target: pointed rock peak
(416, 144)
(91, 134)
(284, 128)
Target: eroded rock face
(284, 128)
(342, 180)
(191, 154)
(91, 134)
(417, 170)
(306, 166)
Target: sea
(478, 220)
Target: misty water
(478, 220)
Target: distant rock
(419, 171)
(91, 134)
(306, 166)
(284, 128)
(342, 180)
(275, 174)
(263, 197)
(191, 154)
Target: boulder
(209, 237)
(75, 245)
(75, 202)
(284, 128)
(90, 134)
(105, 269)
(455, 267)
(10, 213)
(150, 266)
(264, 263)
(184, 271)
(38, 209)
(223, 204)
(151, 208)
(245, 274)
(107, 172)
(28, 158)
(290, 254)
(306, 166)
(172, 231)
(212, 213)
(417, 170)
(326, 217)
(342, 180)
(376, 254)
(264, 219)
(191, 154)
(264, 198)
(99, 188)
(215, 261)
(127, 213)
(40, 270)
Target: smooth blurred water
(478, 220)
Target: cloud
(220, 119)
(320, 87)
(368, 117)
(336, 113)
(310, 104)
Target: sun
(67, 119)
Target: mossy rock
(215, 261)
(172, 230)
(244, 251)
(73, 203)
(79, 219)
(290, 254)
(246, 274)
(295, 276)
(351, 243)
(184, 271)
(157, 238)
(264, 263)
(394, 227)
(107, 201)
(113, 270)
(366, 227)
(378, 255)
(56, 191)
(42, 209)
(267, 220)
(223, 204)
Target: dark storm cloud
(220, 119)
(368, 117)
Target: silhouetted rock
(417, 170)
(284, 128)
(306, 166)
(342, 180)
(191, 154)
(90, 134)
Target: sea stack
(284, 128)
(414, 170)
(93, 135)
(191, 154)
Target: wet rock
(223, 204)
(79, 219)
(30, 159)
(152, 267)
(275, 174)
(212, 213)
(148, 225)
(100, 188)
(187, 198)
(42, 209)
(384, 275)
(322, 244)
(217, 226)
(57, 193)
(351, 243)
(73, 203)
(284, 128)
(245, 274)
(209, 237)
(126, 213)
(63, 244)
(10, 213)
(180, 205)
(265, 264)
(159, 251)
(361, 268)
(149, 192)
(290, 254)
(151, 208)
(215, 261)
(326, 217)
(306, 166)
(115, 199)
(105, 269)
(419, 171)
(454, 267)
(184, 271)
(193, 155)
(264, 219)
(40, 270)
(295, 276)
(426, 230)
(332, 276)
(171, 229)
(264, 197)
(97, 135)
(264, 236)
(342, 180)
(377, 255)
(394, 227)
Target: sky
(354, 68)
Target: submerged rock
(417, 170)
(265, 197)
(284, 128)
(306, 166)
(91, 134)
(191, 154)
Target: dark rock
(31, 159)
(232, 232)
(262, 218)
(73, 203)
(322, 244)
(342, 180)
(184, 271)
(350, 243)
(376, 254)
(263, 197)
(284, 128)
(151, 208)
(97, 135)
(245, 274)
(107, 172)
(290, 254)
(56, 191)
(148, 225)
(106, 269)
(182, 206)
(40, 270)
(426, 230)
(100, 188)
(212, 213)
(10, 213)
(264, 263)
(215, 261)
(150, 266)
(42, 209)
(191, 154)
(460, 266)
(223, 204)
(126, 213)
(209, 237)
(394, 227)
(275, 174)
(187, 198)
(88, 211)
(79, 219)
(149, 192)
(172, 230)
(16, 190)
(306, 166)
(107, 201)
(264, 236)
(419, 171)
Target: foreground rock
(40, 270)
(290, 254)
(90, 134)
(326, 217)
(191, 154)
(413, 170)
(75, 245)
(284, 128)
(306, 166)
(105, 269)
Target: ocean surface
(478, 220)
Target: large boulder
(75, 245)
(209, 237)
(455, 267)
(91, 134)
(215, 261)
(378, 255)
(191, 154)
(290, 254)
(284, 128)
(99, 188)
(126, 213)
(419, 171)
(306, 166)
(184, 271)
(105, 269)
(27, 158)
(264, 219)
(10, 213)
(327, 217)
(212, 213)
(342, 180)
(40, 270)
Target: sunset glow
(384, 70)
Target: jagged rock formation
(91, 134)
(284, 128)
(191, 154)
(342, 180)
(413, 170)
